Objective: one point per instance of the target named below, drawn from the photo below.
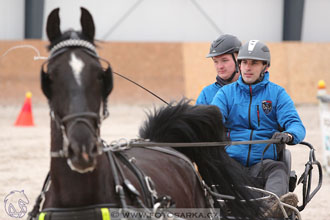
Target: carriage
(150, 178)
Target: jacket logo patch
(267, 106)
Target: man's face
(224, 65)
(251, 70)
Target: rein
(123, 144)
(90, 49)
(135, 83)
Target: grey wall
(316, 23)
(12, 19)
(177, 20)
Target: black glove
(285, 138)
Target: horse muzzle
(81, 143)
(82, 157)
(81, 166)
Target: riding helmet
(254, 50)
(226, 43)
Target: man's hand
(285, 138)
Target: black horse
(85, 179)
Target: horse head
(76, 86)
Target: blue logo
(15, 204)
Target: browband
(73, 43)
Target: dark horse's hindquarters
(76, 87)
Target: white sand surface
(24, 151)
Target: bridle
(72, 120)
(68, 122)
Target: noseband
(72, 120)
(82, 117)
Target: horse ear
(53, 25)
(87, 24)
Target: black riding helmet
(226, 44)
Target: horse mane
(183, 123)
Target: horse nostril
(85, 156)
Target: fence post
(324, 109)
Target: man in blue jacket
(223, 52)
(254, 108)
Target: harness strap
(209, 193)
(101, 214)
(175, 153)
(127, 184)
(80, 114)
(36, 207)
(141, 178)
(203, 185)
(119, 187)
(67, 214)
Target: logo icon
(252, 44)
(15, 204)
(267, 106)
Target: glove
(285, 138)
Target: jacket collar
(255, 87)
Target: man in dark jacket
(254, 108)
(223, 52)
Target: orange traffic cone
(25, 117)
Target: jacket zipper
(250, 146)
(250, 107)
(258, 115)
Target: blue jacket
(207, 94)
(256, 112)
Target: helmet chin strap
(261, 77)
(236, 70)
